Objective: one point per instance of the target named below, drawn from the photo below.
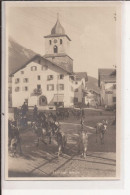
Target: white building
(107, 84)
(49, 80)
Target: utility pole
(57, 93)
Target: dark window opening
(38, 87)
(60, 87)
(17, 80)
(38, 77)
(50, 87)
(33, 68)
(75, 100)
(50, 42)
(22, 72)
(26, 88)
(17, 89)
(61, 76)
(55, 49)
(50, 77)
(61, 41)
(114, 86)
(114, 99)
(39, 61)
(25, 80)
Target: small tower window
(38, 77)
(55, 49)
(50, 42)
(61, 41)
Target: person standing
(24, 109)
(35, 111)
(82, 141)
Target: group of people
(44, 125)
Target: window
(76, 82)
(38, 87)
(60, 87)
(75, 100)
(22, 72)
(60, 41)
(39, 61)
(38, 77)
(50, 42)
(76, 90)
(61, 76)
(17, 80)
(50, 87)
(55, 49)
(33, 68)
(17, 89)
(114, 99)
(43, 67)
(50, 77)
(25, 88)
(25, 80)
(114, 86)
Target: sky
(91, 29)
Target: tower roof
(58, 28)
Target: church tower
(57, 47)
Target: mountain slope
(93, 84)
(18, 55)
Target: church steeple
(57, 46)
(58, 28)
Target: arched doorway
(42, 101)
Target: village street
(42, 161)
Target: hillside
(92, 84)
(18, 55)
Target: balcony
(37, 92)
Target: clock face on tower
(55, 41)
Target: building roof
(113, 73)
(105, 71)
(107, 78)
(57, 35)
(81, 75)
(56, 55)
(57, 30)
(38, 56)
(106, 75)
(96, 91)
